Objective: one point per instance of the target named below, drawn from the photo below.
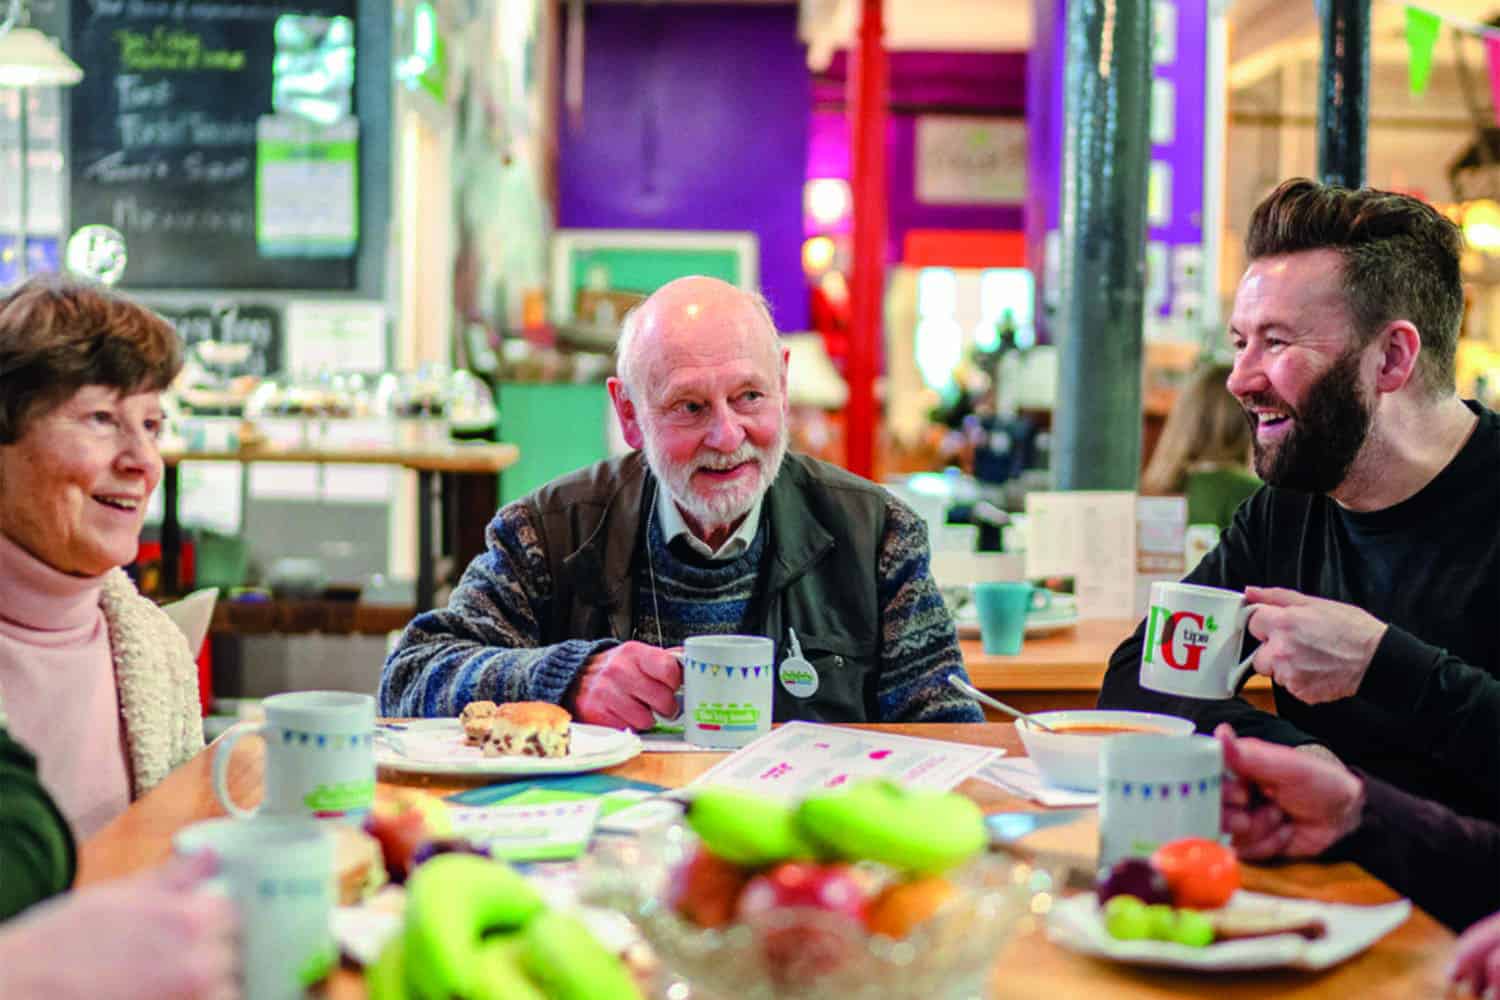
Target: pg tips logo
(1178, 637)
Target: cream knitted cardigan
(157, 682)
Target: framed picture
(602, 271)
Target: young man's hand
(1317, 649)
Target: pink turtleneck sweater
(57, 687)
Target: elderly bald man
(709, 526)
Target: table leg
(171, 535)
(448, 489)
(426, 587)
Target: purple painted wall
(829, 157)
(1184, 155)
(1044, 137)
(694, 118)
(1185, 152)
(988, 83)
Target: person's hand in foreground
(622, 686)
(1317, 649)
(152, 937)
(1476, 959)
(1282, 803)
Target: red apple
(834, 888)
(705, 889)
(402, 819)
(400, 829)
(810, 918)
(399, 834)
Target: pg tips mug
(1192, 642)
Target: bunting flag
(1422, 27)
(1492, 50)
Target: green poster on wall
(641, 261)
(646, 269)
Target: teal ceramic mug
(1003, 607)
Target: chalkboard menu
(255, 326)
(166, 131)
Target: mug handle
(1041, 598)
(680, 655)
(1237, 675)
(221, 766)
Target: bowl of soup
(1069, 757)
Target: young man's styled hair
(1401, 261)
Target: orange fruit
(903, 905)
(1201, 873)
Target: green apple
(914, 830)
(453, 902)
(747, 829)
(558, 952)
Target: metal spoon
(980, 696)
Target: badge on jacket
(797, 675)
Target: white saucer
(1037, 625)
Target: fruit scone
(476, 719)
(529, 729)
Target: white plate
(436, 746)
(1075, 923)
(1036, 625)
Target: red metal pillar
(867, 111)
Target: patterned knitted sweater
(486, 643)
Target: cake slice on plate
(529, 729)
(476, 719)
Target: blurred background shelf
(306, 616)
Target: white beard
(724, 504)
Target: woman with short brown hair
(1204, 451)
(94, 679)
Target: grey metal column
(1344, 92)
(1097, 418)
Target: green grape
(1125, 918)
(1193, 929)
(1161, 920)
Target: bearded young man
(1372, 554)
(708, 527)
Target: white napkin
(1020, 776)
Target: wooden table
(1065, 669)
(448, 459)
(1407, 963)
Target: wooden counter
(1065, 669)
(454, 456)
(1409, 962)
(445, 459)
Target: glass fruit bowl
(807, 953)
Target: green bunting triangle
(1422, 28)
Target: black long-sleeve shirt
(1427, 715)
(37, 857)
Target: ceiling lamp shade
(29, 58)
